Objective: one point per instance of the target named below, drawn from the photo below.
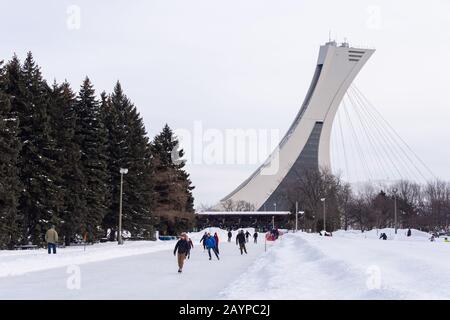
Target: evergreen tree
(172, 186)
(139, 179)
(72, 182)
(39, 198)
(128, 147)
(91, 137)
(9, 179)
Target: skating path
(139, 276)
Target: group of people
(210, 243)
(247, 236)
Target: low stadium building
(233, 220)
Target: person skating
(383, 236)
(255, 237)
(230, 235)
(211, 245)
(203, 239)
(276, 233)
(247, 235)
(240, 240)
(184, 249)
(216, 238)
(51, 237)
(408, 234)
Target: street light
(395, 190)
(119, 237)
(275, 205)
(324, 215)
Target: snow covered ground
(349, 265)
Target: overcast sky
(243, 64)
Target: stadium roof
(240, 213)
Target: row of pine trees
(60, 156)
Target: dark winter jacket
(255, 235)
(230, 234)
(204, 238)
(210, 242)
(247, 234)
(240, 238)
(182, 246)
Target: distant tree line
(421, 206)
(60, 156)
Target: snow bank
(416, 235)
(347, 266)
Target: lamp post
(119, 236)
(324, 215)
(395, 190)
(275, 206)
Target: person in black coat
(247, 235)
(183, 247)
(240, 240)
(229, 236)
(203, 239)
(255, 237)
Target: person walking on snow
(240, 240)
(408, 234)
(255, 237)
(51, 237)
(229, 236)
(184, 249)
(247, 235)
(211, 245)
(203, 239)
(216, 238)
